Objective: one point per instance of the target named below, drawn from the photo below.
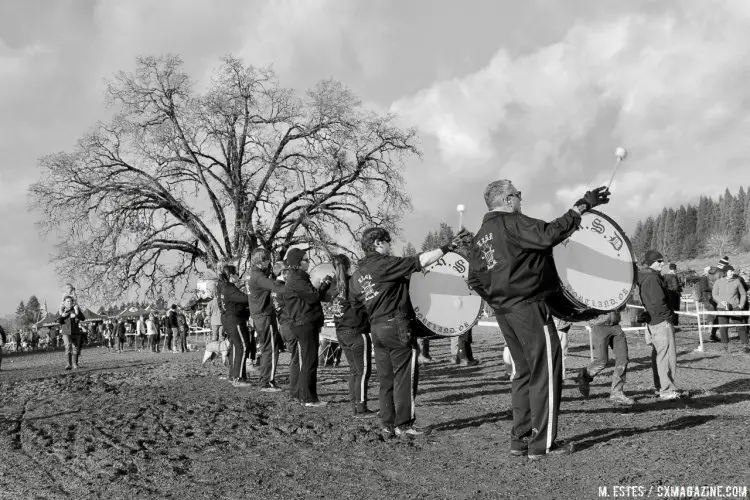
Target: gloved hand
(594, 198)
(462, 239)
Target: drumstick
(620, 154)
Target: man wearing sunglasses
(660, 333)
(511, 268)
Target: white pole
(460, 209)
(700, 332)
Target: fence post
(700, 330)
(591, 343)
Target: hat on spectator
(652, 256)
(294, 257)
(723, 263)
(706, 270)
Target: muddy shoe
(558, 448)
(316, 404)
(407, 432)
(621, 399)
(583, 382)
(387, 432)
(69, 367)
(241, 383)
(425, 359)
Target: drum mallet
(620, 154)
(460, 209)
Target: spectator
(660, 328)
(213, 316)
(70, 320)
(120, 335)
(182, 326)
(674, 291)
(172, 329)
(730, 295)
(17, 340)
(3, 340)
(606, 331)
(152, 333)
(703, 292)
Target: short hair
(173, 306)
(672, 266)
(258, 257)
(371, 235)
(68, 297)
(496, 192)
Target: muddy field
(143, 425)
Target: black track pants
(534, 346)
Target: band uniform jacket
(302, 300)
(381, 283)
(510, 261)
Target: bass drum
(443, 302)
(320, 271)
(596, 270)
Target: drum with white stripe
(596, 270)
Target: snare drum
(596, 269)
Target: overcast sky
(540, 92)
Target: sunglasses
(660, 261)
(517, 194)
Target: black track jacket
(260, 287)
(510, 259)
(381, 283)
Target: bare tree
(179, 181)
(719, 242)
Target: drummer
(511, 268)
(381, 283)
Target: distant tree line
(712, 227)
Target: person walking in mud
(70, 321)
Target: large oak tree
(180, 180)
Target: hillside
(740, 261)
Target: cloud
(671, 87)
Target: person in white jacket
(730, 295)
(213, 312)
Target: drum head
(596, 265)
(442, 300)
(320, 271)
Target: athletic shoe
(469, 362)
(504, 376)
(621, 399)
(387, 432)
(407, 432)
(558, 448)
(425, 359)
(240, 383)
(667, 396)
(270, 388)
(316, 404)
(583, 383)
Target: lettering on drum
(595, 264)
(442, 300)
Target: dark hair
(342, 265)
(371, 235)
(68, 297)
(672, 266)
(173, 306)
